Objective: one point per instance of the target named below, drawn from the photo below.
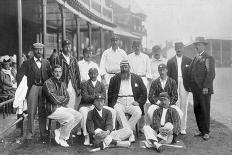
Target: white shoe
(132, 138)
(63, 143)
(87, 140)
(183, 132)
(57, 136)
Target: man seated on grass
(99, 126)
(165, 125)
(57, 98)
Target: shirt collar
(201, 52)
(179, 57)
(99, 112)
(154, 59)
(35, 59)
(66, 57)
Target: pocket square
(136, 85)
(186, 65)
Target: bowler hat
(200, 40)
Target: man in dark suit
(202, 74)
(89, 90)
(99, 126)
(37, 71)
(127, 94)
(178, 70)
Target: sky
(181, 20)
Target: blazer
(138, 88)
(88, 92)
(172, 116)
(28, 69)
(55, 94)
(173, 70)
(70, 71)
(156, 89)
(94, 121)
(202, 71)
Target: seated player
(89, 90)
(57, 98)
(165, 125)
(99, 126)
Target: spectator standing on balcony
(71, 73)
(110, 61)
(37, 71)
(86, 64)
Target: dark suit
(94, 121)
(156, 89)
(173, 70)
(138, 88)
(35, 79)
(88, 92)
(202, 74)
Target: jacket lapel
(175, 63)
(43, 67)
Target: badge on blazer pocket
(136, 85)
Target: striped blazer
(54, 95)
(156, 89)
(70, 71)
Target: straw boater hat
(200, 40)
(38, 45)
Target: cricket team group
(107, 103)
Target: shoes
(63, 143)
(132, 138)
(87, 140)
(123, 143)
(103, 146)
(160, 149)
(199, 134)
(57, 136)
(206, 137)
(183, 132)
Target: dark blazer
(94, 121)
(28, 69)
(138, 88)
(172, 116)
(88, 92)
(70, 71)
(202, 71)
(173, 70)
(156, 89)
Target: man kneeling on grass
(57, 98)
(99, 126)
(165, 125)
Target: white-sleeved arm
(103, 64)
(148, 68)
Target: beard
(125, 75)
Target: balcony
(98, 8)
